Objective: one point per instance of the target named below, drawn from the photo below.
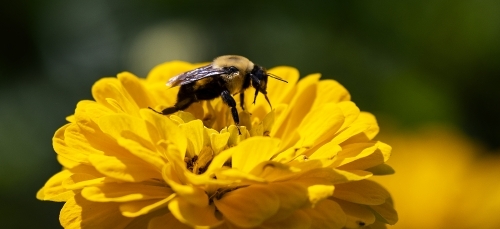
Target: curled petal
(82, 180)
(385, 212)
(253, 151)
(142, 207)
(166, 219)
(111, 88)
(187, 213)
(297, 220)
(125, 192)
(362, 192)
(53, 189)
(291, 117)
(125, 168)
(319, 125)
(79, 213)
(326, 214)
(248, 206)
(357, 215)
(134, 87)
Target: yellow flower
(304, 164)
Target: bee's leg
(256, 85)
(184, 100)
(267, 99)
(229, 100)
(255, 98)
(242, 100)
(181, 104)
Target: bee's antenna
(276, 77)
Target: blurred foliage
(408, 62)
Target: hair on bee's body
(224, 77)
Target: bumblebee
(226, 76)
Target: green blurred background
(409, 62)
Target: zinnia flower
(303, 164)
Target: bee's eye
(232, 69)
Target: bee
(225, 77)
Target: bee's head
(259, 78)
(259, 81)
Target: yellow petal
(125, 192)
(219, 141)
(144, 220)
(319, 125)
(362, 192)
(268, 123)
(386, 212)
(351, 113)
(184, 116)
(278, 91)
(85, 144)
(53, 189)
(330, 91)
(207, 180)
(350, 132)
(364, 163)
(151, 159)
(88, 113)
(66, 163)
(161, 95)
(124, 168)
(381, 170)
(142, 207)
(194, 195)
(234, 175)
(82, 180)
(326, 214)
(133, 134)
(71, 118)
(129, 127)
(248, 206)
(234, 136)
(166, 219)
(353, 152)
(350, 175)
(194, 215)
(79, 213)
(111, 88)
(292, 195)
(357, 215)
(297, 220)
(369, 131)
(253, 151)
(196, 135)
(135, 89)
(290, 118)
(72, 156)
(319, 192)
(219, 160)
(334, 176)
(275, 171)
(370, 119)
(166, 129)
(326, 151)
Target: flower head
(303, 164)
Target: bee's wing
(194, 75)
